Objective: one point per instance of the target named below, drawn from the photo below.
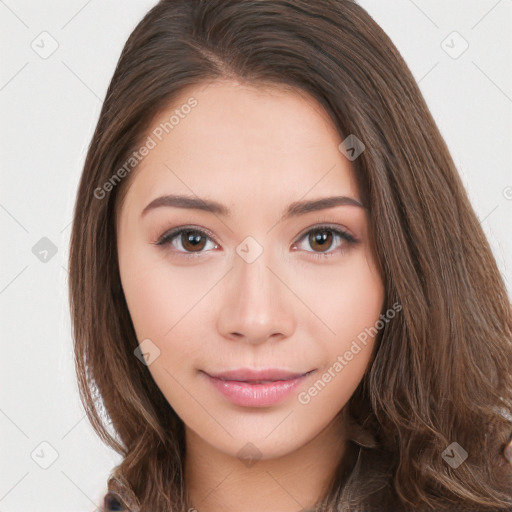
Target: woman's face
(266, 277)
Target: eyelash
(169, 236)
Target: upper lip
(249, 374)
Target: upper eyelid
(172, 233)
(328, 226)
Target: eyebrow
(294, 209)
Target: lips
(262, 376)
(247, 387)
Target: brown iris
(322, 238)
(191, 240)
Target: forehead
(243, 142)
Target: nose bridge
(256, 306)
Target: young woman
(281, 296)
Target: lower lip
(256, 395)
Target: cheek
(351, 305)
(158, 296)
(165, 304)
(347, 298)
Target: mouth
(243, 388)
(263, 376)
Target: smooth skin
(298, 306)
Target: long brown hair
(440, 371)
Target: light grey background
(49, 107)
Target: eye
(322, 238)
(190, 241)
(187, 240)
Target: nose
(256, 302)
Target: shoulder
(119, 497)
(113, 502)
